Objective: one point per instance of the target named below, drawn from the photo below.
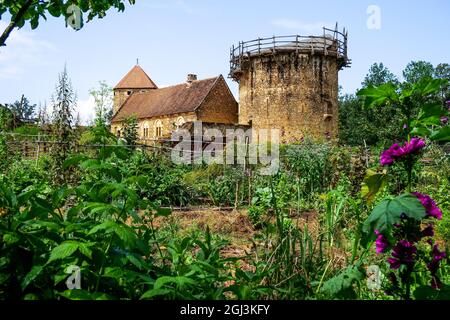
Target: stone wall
(168, 124)
(220, 105)
(294, 92)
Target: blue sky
(172, 38)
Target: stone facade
(215, 104)
(167, 124)
(296, 93)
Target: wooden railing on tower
(332, 42)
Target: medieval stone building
(291, 83)
(160, 111)
(286, 83)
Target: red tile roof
(136, 78)
(180, 98)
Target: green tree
(103, 97)
(442, 71)
(378, 75)
(130, 131)
(22, 109)
(6, 118)
(72, 10)
(64, 102)
(359, 125)
(417, 70)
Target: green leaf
(341, 286)
(76, 294)
(35, 271)
(122, 231)
(428, 293)
(179, 280)
(389, 211)
(430, 110)
(154, 293)
(75, 160)
(443, 134)
(64, 250)
(372, 184)
(420, 131)
(376, 96)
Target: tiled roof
(136, 78)
(180, 98)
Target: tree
(130, 133)
(72, 10)
(442, 71)
(6, 118)
(64, 102)
(22, 109)
(372, 126)
(417, 70)
(43, 117)
(103, 97)
(378, 75)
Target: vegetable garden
(317, 228)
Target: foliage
(398, 223)
(417, 70)
(378, 75)
(103, 97)
(28, 10)
(130, 131)
(63, 102)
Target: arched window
(180, 121)
(158, 126)
(145, 130)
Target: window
(180, 121)
(118, 133)
(158, 125)
(129, 92)
(146, 127)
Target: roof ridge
(184, 83)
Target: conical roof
(136, 78)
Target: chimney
(191, 78)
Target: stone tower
(135, 80)
(291, 83)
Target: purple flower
(437, 254)
(388, 156)
(428, 231)
(382, 243)
(396, 152)
(444, 120)
(433, 266)
(413, 146)
(431, 208)
(403, 253)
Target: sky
(173, 38)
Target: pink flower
(431, 208)
(413, 146)
(382, 243)
(395, 152)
